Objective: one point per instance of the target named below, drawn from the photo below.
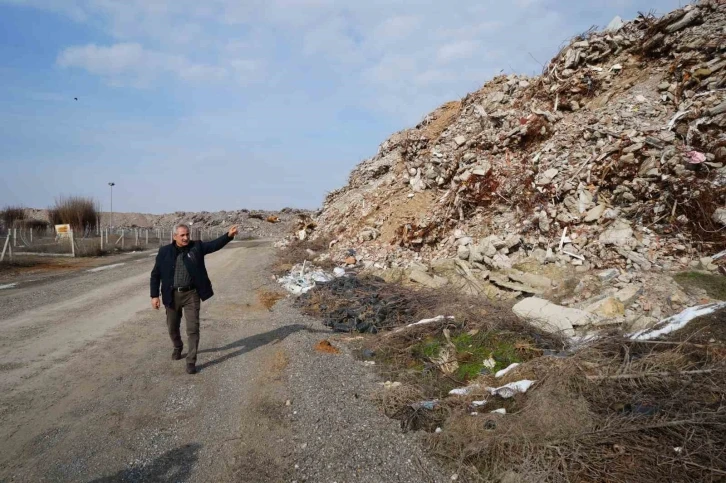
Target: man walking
(184, 282)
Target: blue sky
(227, 104)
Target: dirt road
(88, 390)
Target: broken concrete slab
(530, 279)
(425, 279)
(607, 275)
(619, 234)
(503, 281)
(551, 317)
(636, 258)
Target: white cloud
(377, 48)
(132, 64)
(462, 49)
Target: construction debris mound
(613, 157)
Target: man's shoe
(176, 355)
(191, 368)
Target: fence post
(123, 238)
(147, 237)
(137, 237)
(73, 245)
(5, 247)
(101, 239)
(31, 235)
(15, 237)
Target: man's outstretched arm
(219, 243)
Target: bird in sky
(75, 98)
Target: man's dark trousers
(189, 302)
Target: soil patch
(326, 347)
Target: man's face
(181, 237)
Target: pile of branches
(364, 304)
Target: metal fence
(91, 242)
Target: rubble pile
(260, 224)
(612, 158)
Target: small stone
(463, 252)
(595, 213)
(627, 295)
(707, 264)
(619, 235)
(634, 148)
(663, 86)
(544, 223)
(547, 177)
(467, 240)
(719, 216)
(512, 241)
(460, 140)
(351, 260)
(607, 275)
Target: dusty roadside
(88, 391)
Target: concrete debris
(615, 24)
(551, 317)
(303, 278)
(620, 142)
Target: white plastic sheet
(676, 322)
(509, 390)
(302, 278)
(505, 371)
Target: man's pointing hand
(232, 232)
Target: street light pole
(110, 224)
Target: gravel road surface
(89, 393)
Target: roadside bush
(12, 214)
(77, 211)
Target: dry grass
(615, 410)
(599, 414)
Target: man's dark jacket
(194, 261)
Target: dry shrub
(11, 215)
(300, 250)
(77, 211)
(33, 224)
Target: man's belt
(184, 289)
